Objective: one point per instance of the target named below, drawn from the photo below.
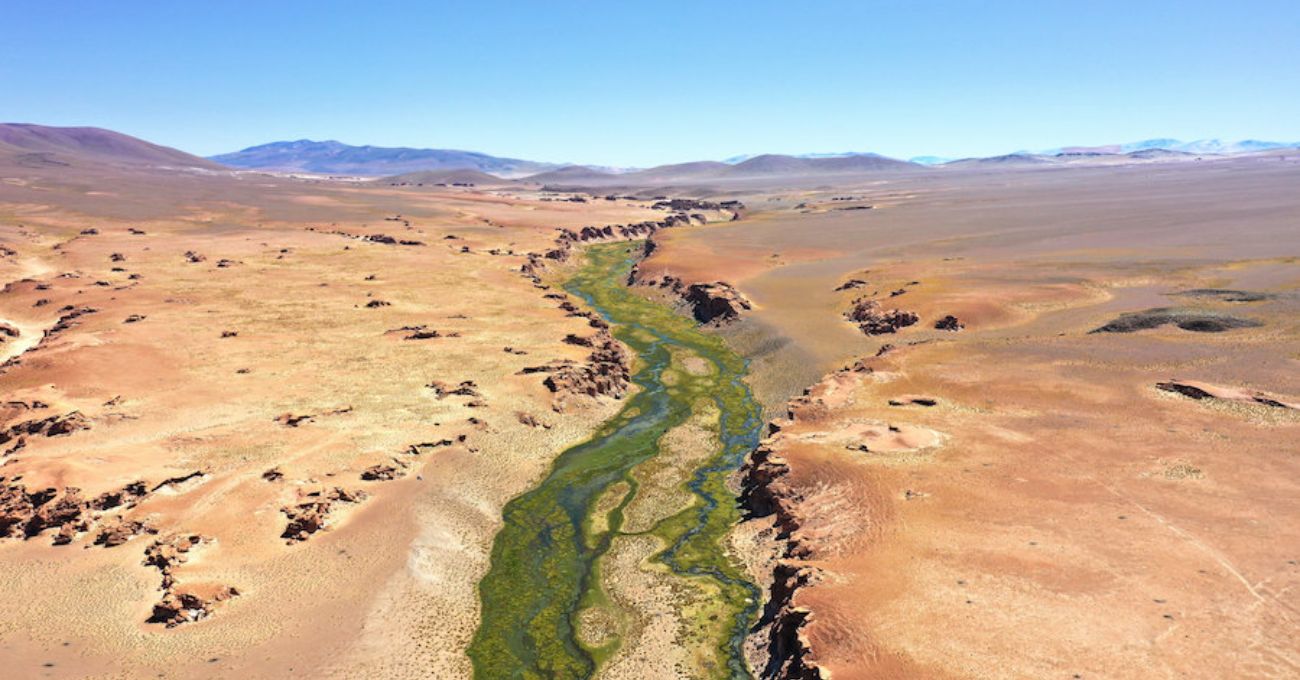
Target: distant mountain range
(331, 157)
(39, 146)
(1199, 146)
(337, 158)
(762, 166)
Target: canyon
(1013, 421)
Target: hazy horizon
(641, 86)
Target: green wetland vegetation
(543, 593)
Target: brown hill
(456, 176)
(28, 144)
(774, 165)
(572, 174)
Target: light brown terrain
(1020, 497)
(244, 434)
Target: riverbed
(549, 607)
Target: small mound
(1225, 294)
(1197, 321)
(1201, 390)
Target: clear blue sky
(624, 83)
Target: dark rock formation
(382, 472)
(716, 301)
(311, 513)
(52, 426)
(872, 319)
(1199, 321)
(466, 388)
(117, 531)
(292, 420)
(25, 514)
(1226, 295)
(949, 323)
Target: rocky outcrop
(873, 319)
(382, 239)
(68, 318)
(1206, 391)
(117, 531)
(466, 388)
(52, 426)
(190, 604)
(689, 204)
(182, 604)
(607, 371)
(311, 513)
(383, 472)
(949, 323)
(716, 302)
(25, 513)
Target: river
(546, 560)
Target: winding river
(546, 568)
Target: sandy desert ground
(236, 391)
(1022, 496)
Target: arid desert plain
(786, 420)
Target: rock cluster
(311, 512)
(949, 323)
(607, 371)
(383, 472)
(182, 604)
(687, 204)
(569, 239)
(52, 426)
(873, 319)
(116, 531)
(382, 239)
(24, 513)
(466, 388)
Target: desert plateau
(621, 400)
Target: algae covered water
(546, 560)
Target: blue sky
(623, 83)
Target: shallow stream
(545, 572)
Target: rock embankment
(765, 494)
(570, 239)
(607, 372)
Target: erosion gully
(546, 559)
